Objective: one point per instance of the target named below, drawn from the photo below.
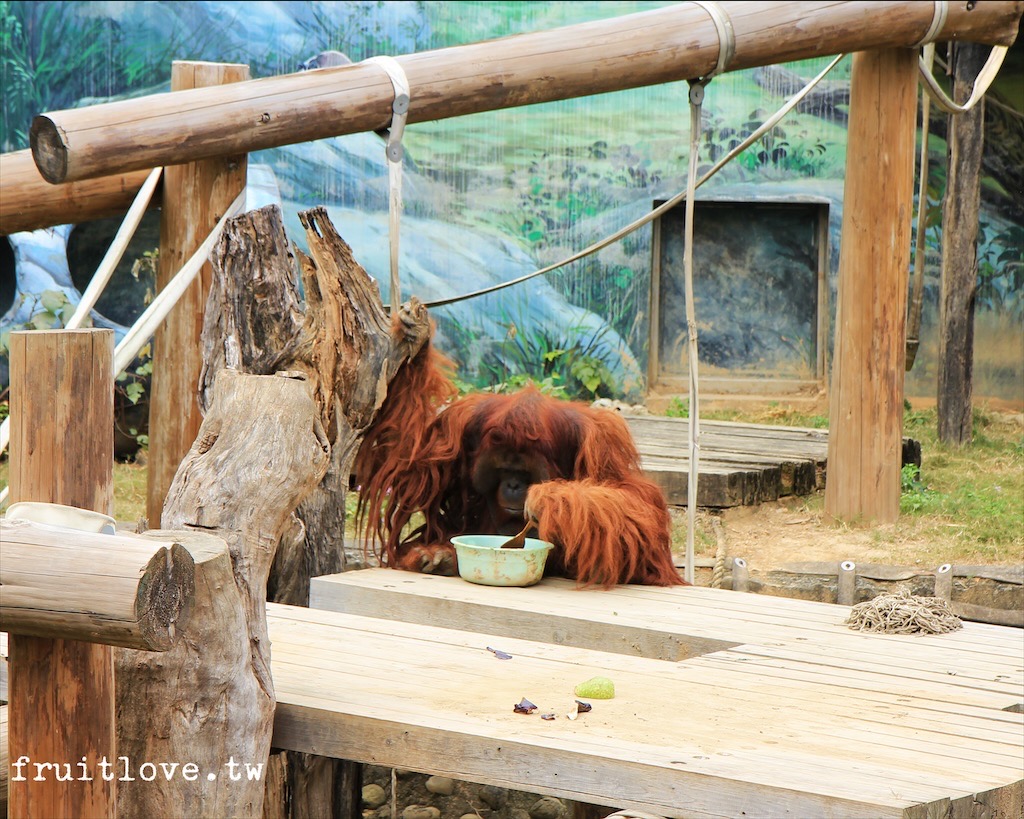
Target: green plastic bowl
(483, 561)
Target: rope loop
(726, 36)
(940, 10)
(981, 84)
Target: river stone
(546, 807)
(421, 812)
(374, 796)
(441, 785)
(493, 796)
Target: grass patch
(969, 498)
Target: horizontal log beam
(119, 590)
(29, 202)
(658, 46)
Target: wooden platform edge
(330, 595)
(1006, 802)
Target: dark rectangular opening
(760, 296)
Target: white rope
(118, 246)
(940, 10)
(141, 332)
(99, 280)
(394, 153)
(914, 322)
(726, 36)
(666, 206)
(693, 428)
(981, 84)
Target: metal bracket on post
(395, 153)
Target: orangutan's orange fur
(609, 523)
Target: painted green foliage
(553, 178)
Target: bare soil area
(793, 531)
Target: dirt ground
(795, 530)
(773, 534)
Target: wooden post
(195, 196)
(62, 451)
(960, 252)
(866, 407)
(209, 700)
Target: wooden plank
(878, 698)
(389, 592)
(741, 464)
(766, 478)
(901, 739)
(195, 196)
(717, 487)
(726, 430)
(660, 622)
(62, 449)
(434, 699)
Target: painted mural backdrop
(491, 196)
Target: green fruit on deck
(596, 688)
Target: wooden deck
(740, 464)
(727, 704)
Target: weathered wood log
(960, 254)
(657, 46)
(866, 404)
(195, 196)
(149, 717)
(119, 590)
(343, 341)
(62, 448)
(30, 202)
(210, 699)
(349, 349)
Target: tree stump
(348, 348)
(344, 342)
(209, 701)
